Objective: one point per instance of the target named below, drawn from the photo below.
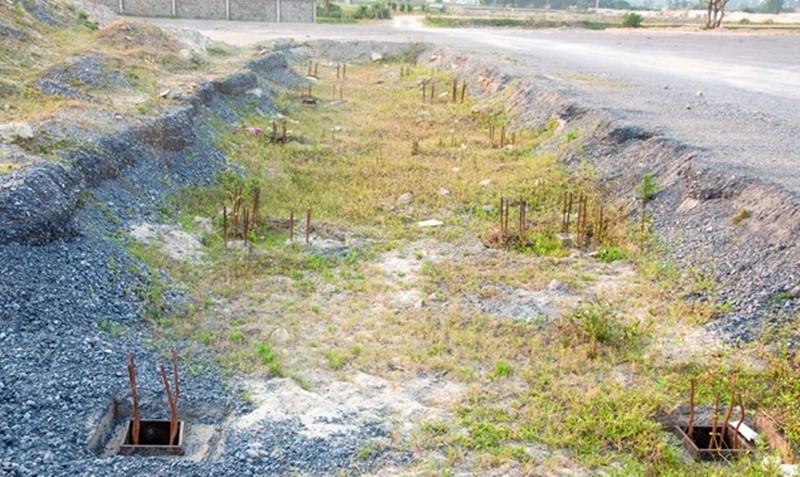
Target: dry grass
(586, 382)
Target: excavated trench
(58, 222)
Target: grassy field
(578, 383)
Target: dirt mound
(129, 35)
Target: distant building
(275, 11)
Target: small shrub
(595, 323)
(83, 15)
(111, 328)
(741, 216)
(648, 188)
(632, 20)
(335, 360)
(265, 353)
(434, 428)
(610, 254)
(415, 150)
(502, 369)
(236, 337)
(779, 298)
(547, 244)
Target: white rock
(185, 54)
(556, 286)
(430, 223)
(790, 470)
(203, 224)
(487, 208)
(11, 131)
(485, 182)
(699, 94)
(444, 192)
(280, 335)
(375, 56)
(456, 169)
(405, 198)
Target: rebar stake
(225, 226)
(730, 409)
(137, 420)
(691, 410)
(173, 409)
(741, 420)
(175, 374)
(308, 226)
(712, 442)
(291, 226)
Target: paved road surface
(735, 94)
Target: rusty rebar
(433, 90)
(246, 220)
(508, 213)
(308, 225)
(741, 420)
(712, 441)
(225, 225)
(502, 136)
(175, 375)
(256, 203)
(173, 408)
(568, 214)
(137, 420)
(455, 89)
(424, 91)
(316, 70)
(730, 409)
(291, 225)
(463, 91)
(690, 431)
(285, 133)
(644, 214)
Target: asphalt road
(736, 95)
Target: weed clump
(598, 324)
(632, 20)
